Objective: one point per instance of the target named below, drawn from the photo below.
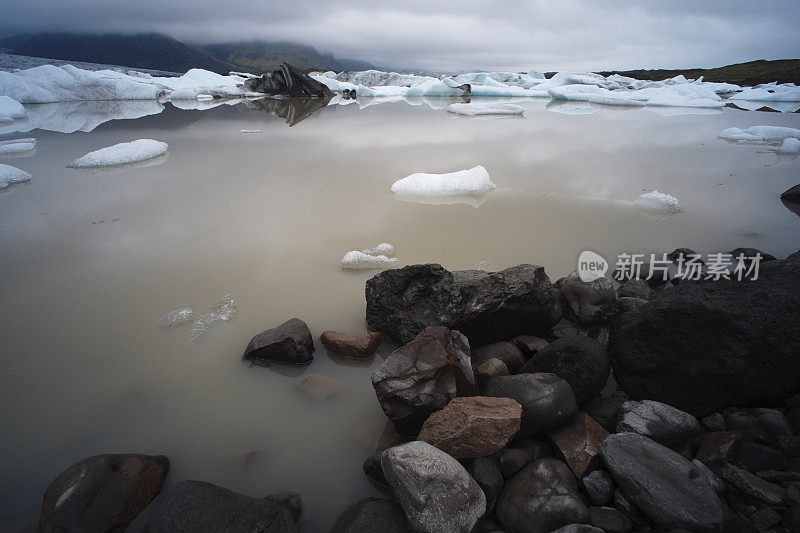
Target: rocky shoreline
(521, 405)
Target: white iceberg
(9, 175)
(383, 248)
(473, 181)
(790, 145)
(10, 109)
(17, 147)
(770, 93)
(480, 108)
(380, 256)
(759, 134)
(121, 154)
(593, 94)
(658, 201)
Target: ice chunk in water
(221, 310)
(9, 175)
(356, 260)
(474, 109)
(790, 145)
(175, 317)
(383, 248)
(121, 154)
(10, 109)
(472, 181)
(658, 201)
(17, 147)
(759, 134)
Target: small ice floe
(658, 201)
(176, 316)
(381, 256)
(790, 146)
(10, 109)
(759, 134)
(252, 131)
(222, 310)
(17, 147)
(9, 175)
(121, 154)
(474, 181)
(475, 109)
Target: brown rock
(474, 426)
(102, 493)
(578, 443)
(752, 485)
(507, 352)
(319, 387)
(355, 346)
(490, 369)
(719, 448)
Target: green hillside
(262, 56)
(750, 73)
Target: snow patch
(121, 154)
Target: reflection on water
(266, 218)
(292, 110)
(475, 200)
(68, 117)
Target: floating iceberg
(658, 201)
(769, 93)
(10, 109)
(383, 248)
(593, 94)
(199, 84)
(175, 317)
(17, 147)
(473, 109)
(759, 134)
(790, 145)
(121, 154)
(474, 181)
(381, 256)
(9, 175)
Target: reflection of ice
(68, 117)
(571, 108)
(175, 317)
(475, 200)
(222, 310)
(18, 148)
(675, 111)
(783, 107)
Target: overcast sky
(446, 35)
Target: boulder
(374, 471)
(512, 460)
(662, 423)
(587, 302)
(474, 426)
(199, 506)
(750, 253)
(423, 376)
(291, 501)
(792, 194)
(507, 352)
(529, 344)
(542, 497)
(610, 520)
(434, 490)
(713, 422)
(485, 306)
(705, 345)
(599, 487)
(668, 488)
(752, 485)
(625, 304)
(759, 424)
(604, 411)
(578, 528)
(487, 473)
(756, 458)
(547, 400)
(635, 288)
(288, 81)
(490, 369)
(319, 387)
(716, 482)
(290, 342)
(580, 361)
(372, 515)
(102, 493)
(354, 346)
(718, 448)
(577, 443)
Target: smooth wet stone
(752, 485)
(290, 342)
(372, 515)
(512, 460)
(486, 472)
(373, 469)
(713, 422)
(599, 487)
(423, 376)
(578, 442)
(581, 361)
(192, 506)
(102, 492)
(542, 497)
(529, 344)
(474, 426)
(665, 486)
(319, 387)
(760, 424)
(716, 482)
(635, 288)
(658, 421)
(756, 457)
(434, 490)
(487, 307)
(604, 411)
(353, 346)
(490, 369)
(587, 302)
(507, 352)
(792, 194)
(547, 400)
(610, 520)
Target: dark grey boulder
(750, 253)
(604, 411)
(287, 81)
(192, 506)
(435, 492)
(512, 460)
(542, 497)
(291, 501)
(102, 493)
(488, 370)
(610, 520)
(507, 352)
(587, 302)
(792, 194)
(713, 422)
(485, 306)
(759, 424)
(374, 471)
(706, 345)
(756, 458)
(423, 376)
(662, 423)
(486, 472)
(599, 487)
(529, 344)
(635, 288)
(291, 342)
(372, 515)
(547, 400)
(580, 361)
(668, 488)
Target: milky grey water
(90, 261)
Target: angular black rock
(291, 342)
(287, 81)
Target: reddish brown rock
(319, 387)
(102, 493)
(355, 346)
(718, 448)
(474, 426)
(578, 443)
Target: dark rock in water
(355, 346)
(610, 520)
(662, 423)
(542, 497)
(587, 302)
(752, 485)
(199, 506)
(287, 81)
(487, 473)
(577, 443)
(791, 194)
(580, 361)
(706, 345)
(508, 352)
(374, 471)
(635, 288)
(290, 342)
(372, 515)
(756, 457)
(668, 488)
(750, 253)
(547, 400)
(291, 500)
(102, 493)
(319, 387)
(423, 376)
(474, 426)
(719, 448)
(599, 487)
(434, 490)
(485, 306)
(760, 424)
